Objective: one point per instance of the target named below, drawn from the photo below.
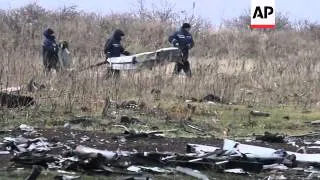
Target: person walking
(50, 51)
(183, 40)
(113, 48)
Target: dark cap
(118, 32)
(50, 31)
(186, 25)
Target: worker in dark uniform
(113, 48)
(183, 40)
(50, 51)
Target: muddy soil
(113, 142)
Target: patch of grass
(214, 119)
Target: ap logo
(263, 14)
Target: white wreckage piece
(252, 151)
(191, 172)
(110, 155)
(146, 59)
(262, 152)
(139, 169)
(11, 90)
(201, 149)
(306, 158)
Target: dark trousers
(112, 73)
(183, 64)
(50, 59)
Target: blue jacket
(113, 47)
(182, 39)
(50, 40)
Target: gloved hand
(54, 47)
(108, 55)
(175, 43)
(126, 53)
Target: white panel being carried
(146, 59)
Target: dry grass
(242, 66)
